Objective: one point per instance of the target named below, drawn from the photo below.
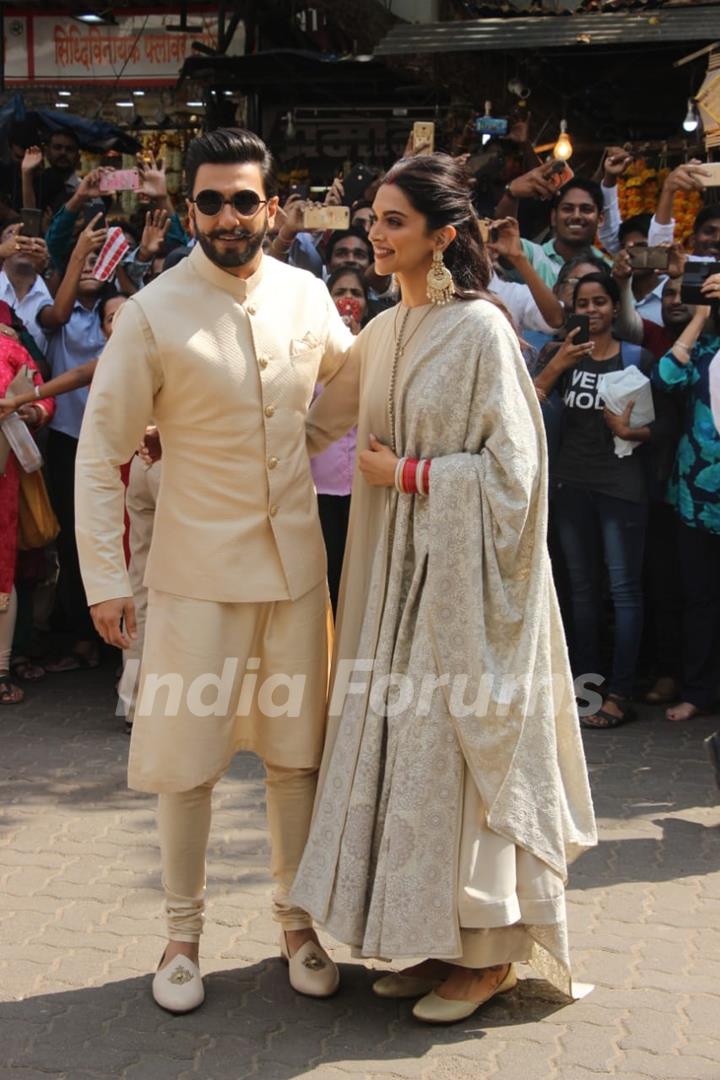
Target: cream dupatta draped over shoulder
(450, 601)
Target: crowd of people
(474, 396)
(633, 538)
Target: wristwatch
(509, 191)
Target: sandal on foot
(10, 694)
(22, 667)
(663, 691)
(74, 661)
(608, 719)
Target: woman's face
(593, 301)
(348, 285)
(565, 291)
(111, 309)
(399, 236)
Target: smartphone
(326, 217)
(356, 183)
(491, 125)
(349, 306)
(91, 210)
(583, 322)
(649, 258)
(713, 167)
(119, 180)
(697, 271)
(488, 232)
(560, 174)
(299, 189)
(31, 221)
(424, 132)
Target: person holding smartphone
(684, 372)
(599, 500)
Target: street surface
(81, 927)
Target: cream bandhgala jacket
(226, 367)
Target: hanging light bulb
(690, 122)
(563, 148)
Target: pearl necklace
(400, 348)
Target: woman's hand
(619, 423)
(7, 405)
(33, 415)
(377, 464)
(569, 353)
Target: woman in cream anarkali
(453, 791)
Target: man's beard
(232, 258)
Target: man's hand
(292, 217)
(157, 223)
(378, 464)
(534, 184)
(686, 177)
(15, 242)
(39, 255)
(676, 260)
(32, 160)
(109, 617)
(153, 179)
(89, 186)
(616, 161)
(507, 242)
(90, 239)
(150, 449)
(622, 270)
(619, 423)
(336, 193)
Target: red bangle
(408, 476)
(426, 476)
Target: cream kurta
(458, 587)
(226, 367)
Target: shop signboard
(47, 49)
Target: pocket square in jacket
(298, 346)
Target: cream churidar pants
(217, 678)
(502, 890)
(184, 824)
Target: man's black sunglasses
(245, 203)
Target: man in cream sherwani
(223, 351)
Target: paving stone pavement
(80, 928)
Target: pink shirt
(333, 469)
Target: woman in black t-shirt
(599, 500)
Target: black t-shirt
(586, 457)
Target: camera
(697, 271)
(649, 258)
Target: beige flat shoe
(433, 1009)
(397, 985)
(310, 969)
(178, 987)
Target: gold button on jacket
(185, 352)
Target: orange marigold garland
(638, 193)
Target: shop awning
(659, 25)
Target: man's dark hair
(341, 234)
(590, 187)
(639, 223)
(585, 257)
(230, 146)
(708, 213)
(64, 133)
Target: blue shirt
(694, 489)
(79, 340)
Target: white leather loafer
(433, 1009)
(397, 985)
(310, 969)
(178, 987)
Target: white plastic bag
(618, 389)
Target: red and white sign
(50, 49)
